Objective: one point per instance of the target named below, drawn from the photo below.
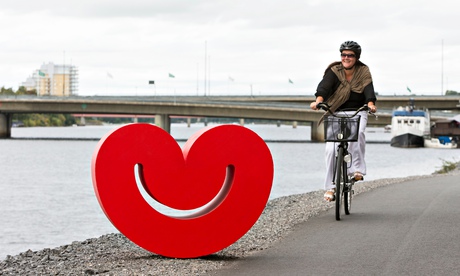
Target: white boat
(409, 127)
(442, 142)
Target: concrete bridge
(285, 108)
(384, 102)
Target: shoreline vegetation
(448, 166)
(66, 120)
(113, 254)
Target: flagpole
(197, 78)
(209, 76)
(289, 87)
(174, 86)
(442, 67)
(38, 84)
(205, 63)
(63, 75)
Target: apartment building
(53, 80)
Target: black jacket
(329, 85)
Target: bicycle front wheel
(347, 195)
(338, 182)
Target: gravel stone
(114, 254)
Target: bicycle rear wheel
(338, 182)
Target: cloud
(260, 44)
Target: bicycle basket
(341, 129)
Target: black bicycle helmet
(352, 46)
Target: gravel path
(113, 254)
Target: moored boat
(409, 127)
(442, 142)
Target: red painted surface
(228, 169)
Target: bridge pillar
(135, 120)
(5, 125)
(242, 121)
(317, 132)
(294, 124)
(163, 121)
(189, 121)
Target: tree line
(21, 91)
(31, 120)
(452, 92)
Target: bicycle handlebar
(326, 107)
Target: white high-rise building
(53, 80)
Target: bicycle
(342, 129)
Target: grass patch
(448, 166)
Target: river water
(47, 198)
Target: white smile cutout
(184, 214)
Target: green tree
(69, 120)
(23, 91)
(5, 91)
(451, 92)
(31, 120)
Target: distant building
(449, 127)
(53, 80)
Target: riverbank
(113, 254)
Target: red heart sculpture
(225, 171)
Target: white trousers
(356, 149)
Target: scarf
(361, 78)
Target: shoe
(329, 195)
(357, 176)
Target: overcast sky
(245, 46)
